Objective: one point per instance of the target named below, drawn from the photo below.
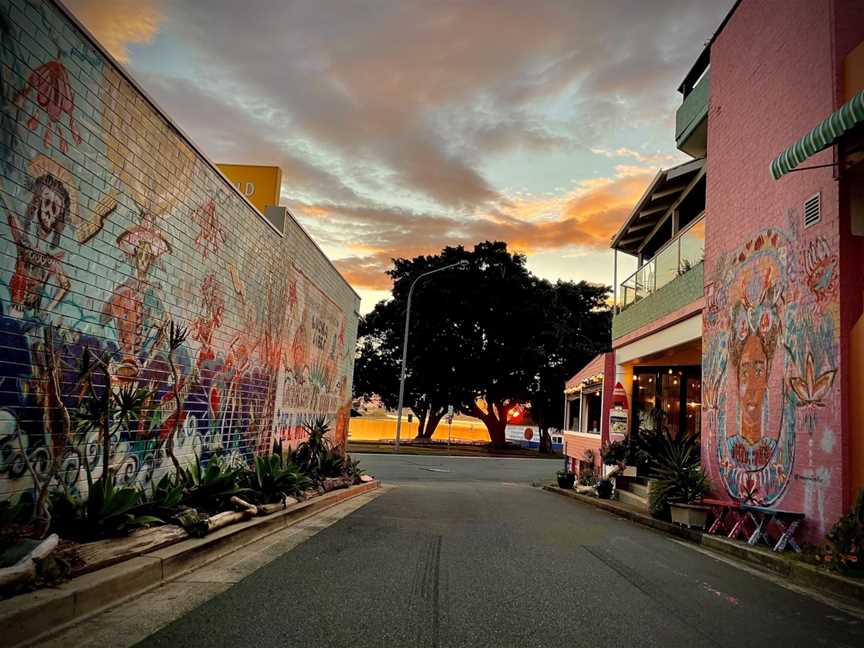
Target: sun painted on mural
(769, 361)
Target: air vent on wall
(813, 210)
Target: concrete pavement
(463, 552)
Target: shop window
(593, 412)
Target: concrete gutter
(794, 571)
(27, 617)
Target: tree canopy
(482, 338)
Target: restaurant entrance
(670, 395)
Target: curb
(797, 573)
(28, 617)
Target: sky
(403, 126)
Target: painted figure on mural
(746, 325)
(135, 307)
(49, 85)
(238, 362)
(37, 237)
(751, 349)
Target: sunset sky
(402, 126)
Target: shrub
(271, 479)
(587, 477)
(678, 475)
(211, 488)
(108, 511)
(614, 453)
(843, 549)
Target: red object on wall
(619, 396)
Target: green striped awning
(821, 137)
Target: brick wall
(772, 361)
(112, 226)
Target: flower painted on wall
(810, 388)
(821, 268)
(53, 94)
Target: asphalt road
(463, 552)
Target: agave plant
(312, 456)
(211, 488)
(271, 479)
(111, 510)
(165, 497)
(678, 475)
(353, 469)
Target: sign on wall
(260, 184)
(618, 423)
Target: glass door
(670, 401)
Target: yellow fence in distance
(384, 429)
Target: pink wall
(772, 359)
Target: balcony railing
(692, 110)
(676, 258)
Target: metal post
(461, 264)
(615, 284)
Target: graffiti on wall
(769, 362)
(112, 228)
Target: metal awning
(824, 135)
(666, 190)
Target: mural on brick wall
(112, 228)
(769, 362)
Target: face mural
(266, 347)
(771, 326)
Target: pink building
(743, 322)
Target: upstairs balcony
(678, 257)
(664, 238)
(691, 119)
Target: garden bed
(135, 568)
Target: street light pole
(460, 264)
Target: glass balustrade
(682, 253)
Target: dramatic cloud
(123, 23)
(406, 125)
(586, 217)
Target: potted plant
(680, 483)
(604, 489)
(566, 479)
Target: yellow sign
(260, 184)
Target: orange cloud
(119, 23)
(587, 217)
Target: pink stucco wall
(772, 286)
(575, 445)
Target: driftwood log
(332, 483)
(221, 520)
(24, 571)
(243, 505)
(267, 509)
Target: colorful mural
(770, 357)
(113, 227)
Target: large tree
(577, 326)
(481, 336)
(429, 377)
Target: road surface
(464, 552)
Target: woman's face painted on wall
(752, 385)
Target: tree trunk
(430, 424)
(495, 425)
(545, 441)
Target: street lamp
(459, 264)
